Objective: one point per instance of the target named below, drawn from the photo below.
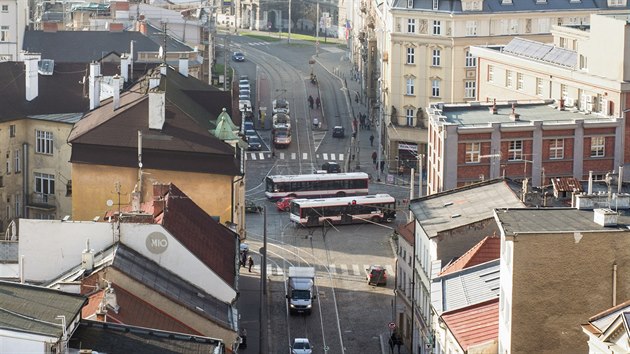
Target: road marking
(262, 156)
(282, 155)
(253, 156)
(332, 269)
(344, 269)
(304, 156)
(341, 157)
(355, 269)
(293, 155)
(332, 156)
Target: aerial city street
(347, 177)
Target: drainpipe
(614, 285)
(25, 174)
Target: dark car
(338, 132)
(238, 56)
(249, 133)
(254, 143)
(331, 167)
(248, 125)
(251, 207)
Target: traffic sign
(391, 325)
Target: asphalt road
(349, 315)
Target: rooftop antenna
(164, 41)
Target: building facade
(13, 21)
(415, 53)
(586, 67)
(534, 141)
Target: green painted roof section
(225, 128)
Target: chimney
(116, 88)
(124, 67)
(50, 27)
(561, 104)
(514, 116)
(157, 109)
(493, 108)
(590, 183)
(110, 298)
(87, 257)
(95, 85)
(115, 27)
(605, 217)
(183, 66)
(620, 179)
(135, 201)
(163, 69)
(31, 63)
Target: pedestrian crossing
(262, 43)
(334, 269)
(326, 156)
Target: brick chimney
(50, 27)
(561, 104)
(95, 85)
(157, 109)
(115, 27)
(31, 64)
(514, 116)
(493, 108)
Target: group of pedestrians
(365, 122)
(317, 102)
(247, 261)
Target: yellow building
(156, 132)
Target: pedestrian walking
(243, 335)
(382, 166)
(371, 139)
(250, 263)
(318, 102)
(374, 158)
(244, 259)
(310, 101)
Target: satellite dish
(109, 202)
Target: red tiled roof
(136, 312)
(475, 324)
(486, 250)
(407, 232)
(567, 184)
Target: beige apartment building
(586, 69)
(415, 53)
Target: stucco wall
(93, 185)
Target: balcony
(42, 201)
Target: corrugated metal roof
(475, 324)
(34, 309)
(462, 206)
(466, 287)
(542, 52)
(566, 184)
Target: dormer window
(435, 5)
(616, 3)
(506, 2)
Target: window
(1, 182)
(564, 91)
(539, 86)
(471, 60)
(69, 188)
(43, 142)
(470, 89)
(519, 81)
(437, 27)
(598, 146)
(616, 2)
(473, 152)
(515, 152)
(409, 114)
(44, 183)
(583, 62)
(8, 162)
(18, 205)
(5, 8)
(411, 55)
(411, 25)
(490, 73)
(509, 79)
(435, 4)
(435, 57)
(556, 149)
(12, 131)
(435, 88)
(471, 28)
(410, 86)
(4, 33)
(18, 165)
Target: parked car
(251, 207)
(243, 86)
(301, 346)
(250, 133)
(243, 77)
(243, 81)
(376, 275)
(283, 204)
(338, 132)
(331, 167)
(254, 143)
(238, 56)
(248, 125)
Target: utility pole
(289, 34)
(225, 55)
(263, 284)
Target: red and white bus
(316, 185)
(346, 210)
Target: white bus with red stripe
(346, 210)
(316, 185)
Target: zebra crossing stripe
(355, 269)
(332, 156)
(261, 155)
(304, 156)
(344, 269)
(332, 268)
(253, 156)
(293, 155)
(282, 155)
(325, 156)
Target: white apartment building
(585, 69)
(418, 52)
(13, 20)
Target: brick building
(518, 140)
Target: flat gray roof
(462, 206)
(479, 115)
(530, 220)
